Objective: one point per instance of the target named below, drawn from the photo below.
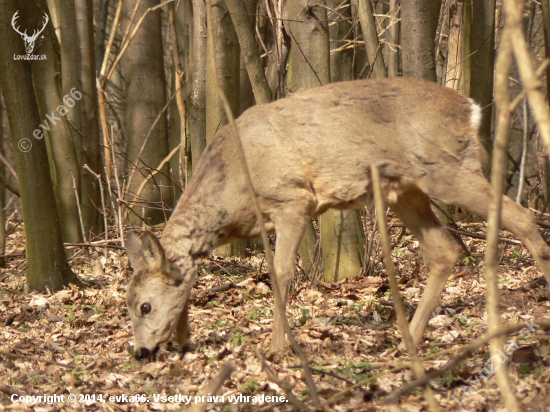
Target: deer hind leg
(289, 227)
(413, 209)
(473, 194)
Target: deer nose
(144, 353)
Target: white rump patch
(475, 118)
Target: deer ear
(153, 253)
(133, 250)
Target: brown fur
(313, 151)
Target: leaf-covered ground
(77, 341)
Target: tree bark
(392, 56)
(418, 26)
(370, 35)
(309, 59)
(70, 78)
(309, 66)
(90, 198)
(249, 50)
(142, 68)
(2, 190)
(62, 151)
(483, 45)
(46, 261)
(197, 97)
(226, 50)
(342, 235)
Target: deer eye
(145, 308)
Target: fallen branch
(213, 387)
(37, 359)
(466, 351)
(298, 404)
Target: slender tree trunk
(370, 35)
(90, 197)
(100, 32)
(342, 235)
(454, 61)
(418, 26)
(227, 54)
(249, 49)
(46, 261)
(392, 55)
(183, 20)
(2, 190)
(60, 138)
(309, 66)
(197, 97)
(226, 50)
(483, 44)
(142, 68)
(309, 59)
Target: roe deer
(309, 152)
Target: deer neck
(192, 233)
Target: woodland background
(123, 154)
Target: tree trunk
(70, 78)
(226, 50)
(342, 235)
(309, 60)
(483, 44)
(370, 35)
(197, 97)
(183, 28)
(90, 197)
(249, 48)
(142, 68)
(418, 25)
(59, 137)
(392, 54)
(2, 190)
(46, 261)
(309, 66)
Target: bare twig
(8, 390)
(37, 359)
(298, 404)
(134, 32)
(498, 171)
(10, 168)
(119, 193)
(77, 200)
(397, 302)
(104, 211)
(213, 387)
(101, 93)
(179, 84)
(466, 351)
(155, 171)
(95, 245)
(280, 306)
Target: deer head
(155, 296)
(29, 40)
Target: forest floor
(77, 341)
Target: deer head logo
(29, 40)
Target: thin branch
(134, 32)
(392, 277)
(213, 387)
(280, 306)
